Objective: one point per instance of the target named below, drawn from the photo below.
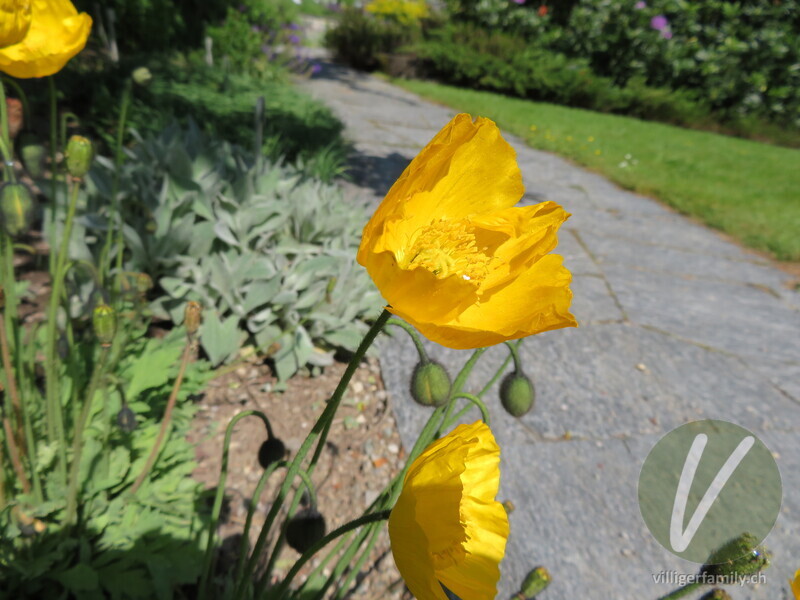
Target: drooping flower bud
(17, 205)
(104, 321)
(142, 76)
(79, 156)
(31, 152)
(534, 583)
(126, 419)
(271, 451)
(430, 384)
(736, 559)
(192, 317)
(305, 529)
(517, 394)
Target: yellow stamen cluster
(448, 248)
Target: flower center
(448, 248)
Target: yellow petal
(446, 526)
(796, 585)
(15, 20)
(57, 33)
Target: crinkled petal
(796, 585)
(57, 33)
(15, 20)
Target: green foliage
(156, 25)
(469, 56)
(123, 547)
(360, 39)
(267, 251)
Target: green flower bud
(144, 283)
(305, 529)
(738, 558)
(142, 76)
(192, 317)
(79, 156)
(430, 384)
(271, 451)
(126, 419)
(32, 153)
(517, 394)
(716, 594)
(534, 583)
(17, 205)
(104, 320)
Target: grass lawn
(747, 189)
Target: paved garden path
(676, 324)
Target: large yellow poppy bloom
(796, 585)
(446, 528)
(453, 256)
(57, 33)
(15, 20)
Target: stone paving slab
(677, 324)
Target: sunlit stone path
(676, 324)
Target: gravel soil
(362, 454)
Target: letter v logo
(706, 483)
(679, 539)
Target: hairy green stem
(477, 402)
(166, 420)
(318, 435)
(77, 442)
(55, 419)
(412, 333)
(683, 591)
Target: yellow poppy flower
(796, 585)
(446, 528)
(453, 256)
(15, 19)
(57, 33)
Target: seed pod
(534, 583)
(736, 559)
(192, 317)
(126, 419)
(517, 394)
(104, 321)
(142, 76)
(305, 529)
(430, 384)
(32, 153)
(271, 451)
(17, 205)
(79, 156)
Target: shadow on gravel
(353, 79)
(377, 173)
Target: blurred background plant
(715, 64)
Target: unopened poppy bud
(142, 76)
(17, 205)
(79, 156)
(430, 384)
(517, 394)
(534, 583)
(192, 317)
(305, 529)
(271, 451)
(144, 283)
(126, 419)
(32, 153)
(736, 559)
(104, 320)
(716, 594)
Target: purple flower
(666, 34)
(294, 26)
(520, 1)
(316, 68)
(640, 5)
(659, 22)
(294, 39)
(255, 28)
